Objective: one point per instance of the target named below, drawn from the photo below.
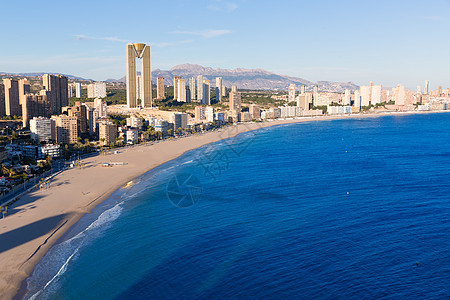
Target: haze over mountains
(253, 79)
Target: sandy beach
(36, 221)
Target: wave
(59, 257)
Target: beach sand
(40, 217)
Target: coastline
(40, 218)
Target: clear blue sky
(389, 42)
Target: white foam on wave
(67, 250)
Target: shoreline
(75, 192)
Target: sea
(357, 208)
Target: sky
(387, 42)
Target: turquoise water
(332, 209)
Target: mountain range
(252, 79)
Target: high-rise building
(302, 89)
(12, 105)
(175, 87)
(160, 90)
(34, 106)
(41, 129)
(79, 111)
(218, 89)
(206, 93)
(234, 88)
(142, 52)
(192, 88)
(78, 89)
(97, 90)
(291, 96)
(107, 132)
(255, 111)
(305, 101)
(376, 94)
(347, 97)
(101, 107)
(134, 122)
(179, 120)
(224, 90)
(427, 87)
(2, 99)
(365, 95)
(200, 88)
(66, 129)
(357, 101)
(235, 101)
(24, 88)
(419, 89)
(200, 113)
(70, 90)
(57, 91)
(439, 91)
(181, 90)
(209, 114)
(400, 95)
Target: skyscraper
(234, 88)
(175, 86)
(12, 105)
(427, 86)
(35, 106)
(365, 95)
(218, 89)
(206, 92)
(192, 88)
(200, 87)
(24, 88)
(400, 95)
(77, 89)
(57, 91)
(97, 90)
(79, 111)
(235, 102)
(181, 90)
(141, 51)
(291, 96)
(357, 102)
(160, 90)
(66, 129)
(376, 94)
(347, 96)
(2, 99)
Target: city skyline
(315, 41)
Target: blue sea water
(334, 209)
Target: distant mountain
(255, 79)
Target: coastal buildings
(96, 90)
(200, 87)
(34, 106)
(347, 97)
(219, 89)
(176, 79)
(235, 101)
(78, 90)
(192, 88)
(427, 87)
(56, 88)
(365, 95)
(291, 96)
(206, 99)
(179, 120)
(101, 107)
(209, 114)
(2, 99)
(160, 89)
(200, 113)
(376, 94)
(12, 106)
(65, 129)
(107, 132)
(181, 90)
(79, 112)
(41, 129)
(255, 111)
(135, 122)
(138, 51)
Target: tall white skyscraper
(365, 95)
(302, 89)
(291, 97)
(78, 90)
(219, 89)
(427, 87)
(234, 88)
(376, 94)
(192, 88)
(181, 90)
(140, 51)
(200, 87)
(400, 95)
(347, 97)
